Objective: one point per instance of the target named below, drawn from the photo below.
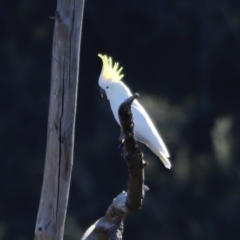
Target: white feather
(117, 93)
(144, 128)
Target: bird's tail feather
(165, 160)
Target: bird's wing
(146, 131)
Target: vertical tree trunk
(61, 120)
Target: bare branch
(61, 120)
(111, 225)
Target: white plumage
(117, 92)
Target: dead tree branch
(61, 120)
(111, 225)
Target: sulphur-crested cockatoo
(117, 92)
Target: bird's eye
(107, 87)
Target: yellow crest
(110, 71)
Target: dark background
(183, 59)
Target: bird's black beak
(102, 92)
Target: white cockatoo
(117, 92)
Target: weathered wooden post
(61, 120)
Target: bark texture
(61, 120)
